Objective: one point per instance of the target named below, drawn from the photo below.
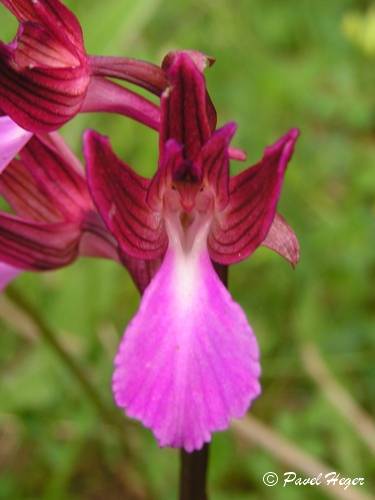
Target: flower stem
(193, 474)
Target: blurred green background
(280, 64)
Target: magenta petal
(120, 196)
(7, 274)
(189, 361)
(52, 15)
(46, 185)
(214, 161)
(27, 199)
(58, 175)
(108, 97)
(141, 73)
(237, 154)
(44, 72)
(282, 240)
(184, 105)
(12, 140)
(243, 225)
(35, 246)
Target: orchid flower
(46, 77)
(189, 361)
(54, 220)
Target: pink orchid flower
(46, 77)
(189, 361)
(54, 220)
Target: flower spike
(189, 361)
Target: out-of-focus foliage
(360, 28)
(279, 64)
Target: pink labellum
(7, 274)
(188, 362)
(12, 140)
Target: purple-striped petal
(141, 73)
(188, 362)
(58, 175)
(26, 198)
(243, 225)
(282, 240)
(37, 246)
(53, 16)
(7, 274)
(214, 161)
(108, 97)
(46, 185)
(12, 140)
(184, 105)
(44, 72)
(120, 196)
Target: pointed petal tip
(93, 135)
(285, 143)
(92, 141)
(282, 240)
(228, 130)
(295, 133)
